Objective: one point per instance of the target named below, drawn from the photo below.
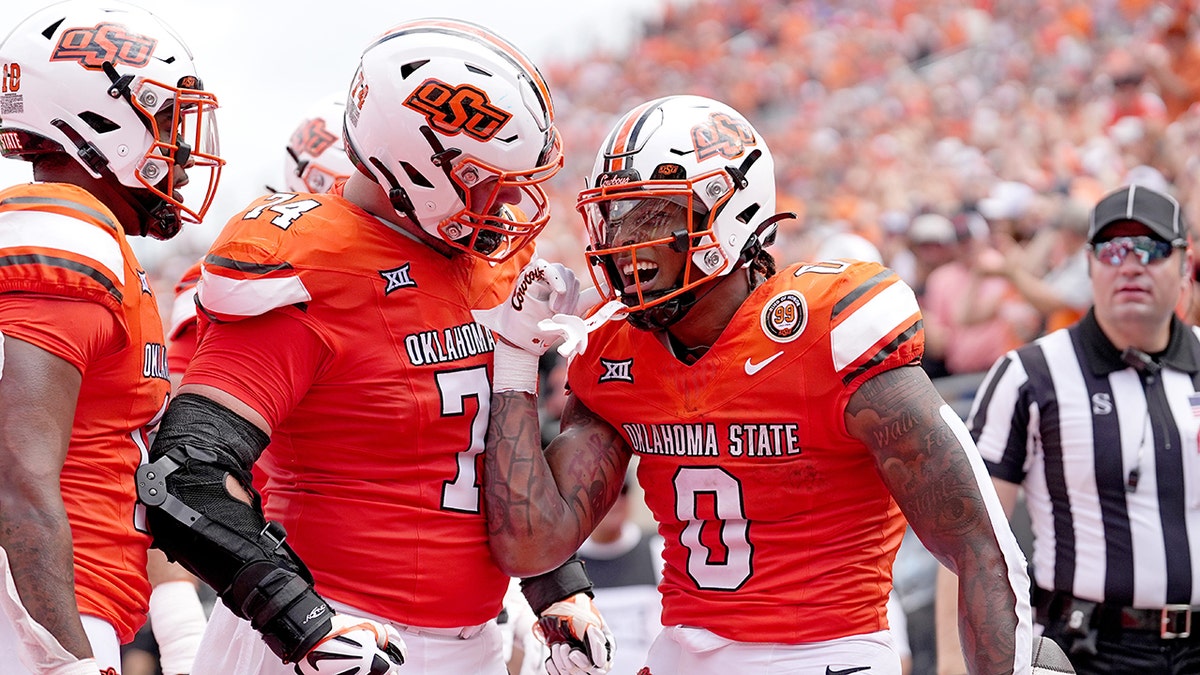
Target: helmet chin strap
(158, 212)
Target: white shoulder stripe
(871, 323)
(183, 310)
(63, 233)
(249, 297)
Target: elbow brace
(560, 583)
(224, 541)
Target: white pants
(103, 637)
(682, 650)
(231, 647)
(27, 648)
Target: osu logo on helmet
(722, 135)
(312, 137)
(451, 109)
(105, 42)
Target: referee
(1098, 423)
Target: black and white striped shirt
(1107, 455)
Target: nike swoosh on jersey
(753, 368)
(845, 671)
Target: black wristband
(557, 584)
(282, 606)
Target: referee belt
(1173, 622)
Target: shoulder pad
(58, 239)
(873, 315)
(255, 264)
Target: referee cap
(1157, 211)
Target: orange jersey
(57, 241)
(777, 526)
(373, 466)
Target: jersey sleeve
(267, 362)
(58, 240)
(253, 267)
(874, 323)
(75, 331)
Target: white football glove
(1048, 658)
(579, 639)
(355, 646)
(542, 289)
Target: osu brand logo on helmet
(721, 135)
(91, 47)
(451, 110)
(312, 137)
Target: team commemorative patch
(785, 316)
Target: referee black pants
(1124, 651)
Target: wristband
(514, 369)
(561, 583)
(177, 620)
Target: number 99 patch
(785, 316)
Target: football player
(314, 161)
(104, 99)
(338, 353)
(783, 426)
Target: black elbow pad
(224, 541)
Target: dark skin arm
(542, 506)
(928, 473)
(37, 406)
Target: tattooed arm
(925, 456)
(37, 406)
(541, 506)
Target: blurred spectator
(1063, 294)
(933, 240)
(1174, 65)
(976, 316)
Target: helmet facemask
(701, 156)
(182, 123)
(634, 217)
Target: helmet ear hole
(416, 176)
(99, 123)
(747, 213)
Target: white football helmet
(439, 107)
(115, 88)
(316, 153)
(684, 160)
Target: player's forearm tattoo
(923, 463)
(557, 496)
(510, 463)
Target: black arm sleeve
(224, 541)
(560, 583)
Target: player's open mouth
(640, 274)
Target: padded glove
(355, 646)
(579, 639)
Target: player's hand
(579, 639)
(355, 646)
(542, 289)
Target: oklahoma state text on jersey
(374, 457)
(777, 526)
(57, 241)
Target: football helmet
(316, 153)
(115, 88)
(456, 124)
(685, 172)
